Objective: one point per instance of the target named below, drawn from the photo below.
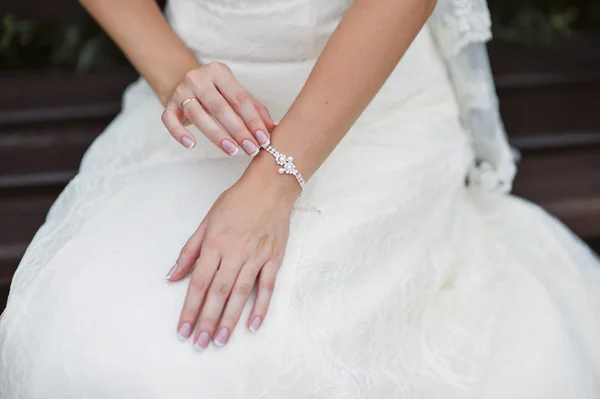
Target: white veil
(460, 29)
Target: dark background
(61, 80)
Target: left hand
(241, 240)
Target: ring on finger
(187, 101)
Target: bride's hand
(220, 108)
(241, 240)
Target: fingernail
(171, 272)
(255, 325)
(188, 142)
(229, 146)
(262, 138)
(250, 147)
(275, 123)
(203, 341)
(185, 331)
(222, 336)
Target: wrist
(263, 174)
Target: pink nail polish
(229, 146)
(173, 269)
(188, 142)
(255, 325)
(203, 341)
(185, 331)
(250, 147)
(262, 138)
(222, 335)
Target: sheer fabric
(460, 29)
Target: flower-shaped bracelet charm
(287, 166)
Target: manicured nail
(185, 331)
(222, 335)
(229, 146)
(203, 341)
(250, 147)
(255, 325)
(275, 123)
(262, 138)
(171, 272)
(188, 142)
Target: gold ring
(187, 101)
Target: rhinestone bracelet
(287, 166)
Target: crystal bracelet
(287, 166)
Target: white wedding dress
(398, 282)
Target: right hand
(224, 112)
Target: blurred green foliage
(545, 22)
(34, 44)
(82, 46)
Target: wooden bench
(550, 102)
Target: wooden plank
(556, 109)
(55, 10)
(45, 10)
(59, 90)
(23, 211)
(49, 148)
(556, 175)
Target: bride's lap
(94, 275)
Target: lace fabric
(461, 28)
(397, 282)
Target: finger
(194, 112)
(172, 119)
(211, 129)
(241, 102)
(266, 285)
(239, 295)
(212, 309)
(188, 255)
(265, 115)
(201, 279)
(216, 105)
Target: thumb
(188, 256)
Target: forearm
(141, 31)
(361, 54)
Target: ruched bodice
(255, 31)
(272, 45)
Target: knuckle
(193, 76)
(180, 92)
(191, 112)
(240, 99)
(277, 256)
(190, 78)
(267, 284)
(216, 108)
(244, 288)
(203, 89)
(214, 242)
(218, 67)
(220, 289)
(260, 107)
(198, 284)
